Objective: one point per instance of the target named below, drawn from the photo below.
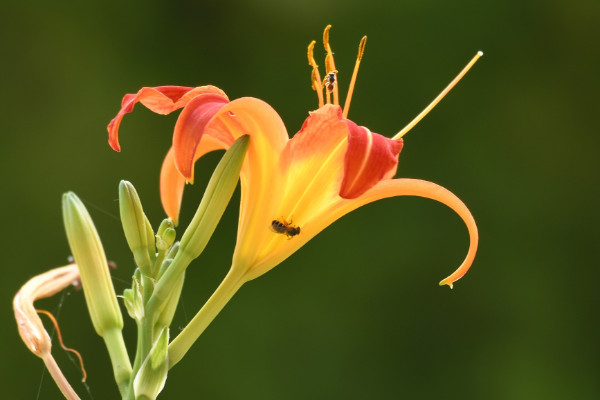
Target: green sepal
(151, 377)
(133, 300)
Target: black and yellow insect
(330, 81)
(285, 228)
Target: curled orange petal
(190, 128)
(160, 99)
(409, 187)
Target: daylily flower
(329, 168)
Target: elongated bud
(89, 255)
(137, 228)
(215, 199)
(150, 379)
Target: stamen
(329, 63)
(49, 315)
(438, 98)
(315, 77)
(361, 51)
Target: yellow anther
(361, 51)
(315, 76)
(329, 63)
(361, 48)
(310, 54)
(439, 97)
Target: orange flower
(292, 189)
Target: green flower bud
(89, 255)
(216, 197)
(137, 228)
(166, 240)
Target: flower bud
(216, 197)
(137, 228)
(165, 237)
(89, 255)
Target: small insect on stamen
(330, 81)
(285, 228)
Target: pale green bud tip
(137, 228)
(165, 237)
(90, 258)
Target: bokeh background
(357, 312)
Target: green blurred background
(356, 313)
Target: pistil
(439, 97)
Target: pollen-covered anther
(315, 77)
(330, 65)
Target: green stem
(186, 338)
(166, 283)
(140, 355)
(118, 357)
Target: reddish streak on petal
(369, 159)
(190, 128)
(160, 99)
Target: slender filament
(439, 97)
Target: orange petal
(244, 116)
(160, 99)
(412, 187)
(172, 182)
(190, 127)
(369, 159)
(314, 160)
